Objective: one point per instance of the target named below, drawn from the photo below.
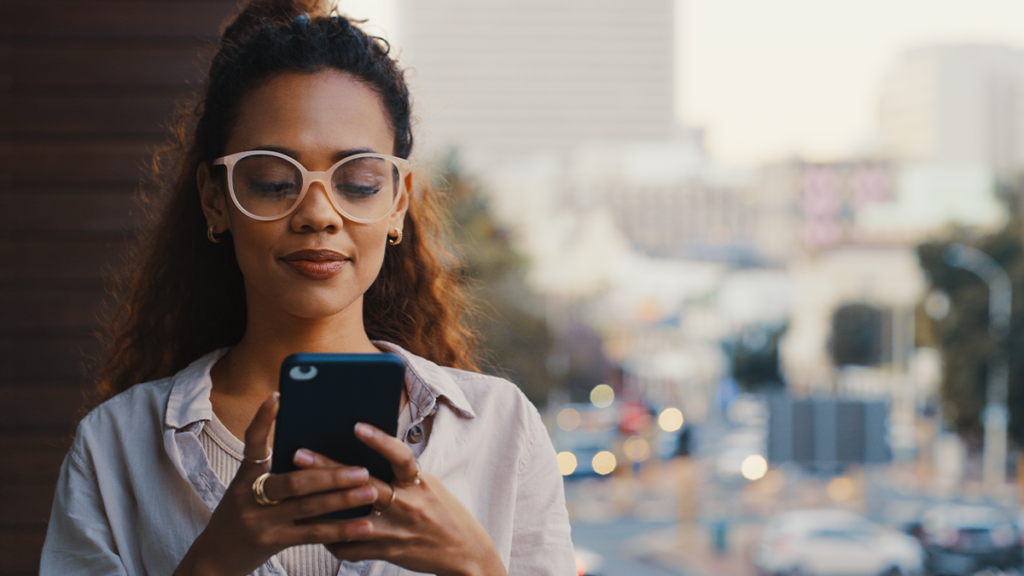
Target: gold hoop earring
(396, 239)
(209, 234)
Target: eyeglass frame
(308, 177)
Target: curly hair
(179, 296)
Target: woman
(293, 226)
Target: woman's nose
(316, 212)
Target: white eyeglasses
(267, 185)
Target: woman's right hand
(243, 534)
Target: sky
(768, 79)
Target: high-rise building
(500, 77)
(955, 105)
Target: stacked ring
(257, 491)
(270, 454)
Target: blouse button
(415, 435)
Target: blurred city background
(759, 264)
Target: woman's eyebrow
(337, 156)
(346, 153)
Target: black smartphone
(323, 396)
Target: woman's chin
(322, 308)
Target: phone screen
(323, 396)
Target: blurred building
(816, 206)
(955, 105)
(514, 77)
(668, 199)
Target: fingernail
(359, 475)
(363, 431)
(367, 494)
(303, 457)
(364, 529)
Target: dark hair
(180, 296)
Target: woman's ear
(213, 199)
(398, 216)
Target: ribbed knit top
(225, 454)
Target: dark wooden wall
(87, 88)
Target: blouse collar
(425, 381)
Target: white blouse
(137, 488)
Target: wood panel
(112, 208)
(27, 501)
(33, 404)
(47, 359)
(114, 68)
(58, 262)
(48, 310)
(33, 455)
(20, 547)
(87, 88)
(68, 115)
(77, 163)
(75, 20)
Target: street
(619, 542)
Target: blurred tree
(859, 335)
(954, 318)
(585, 363)
(514, 336)
(754, 357)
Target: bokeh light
(754, 467)
(637, 448)
(568, 419)
(604, 462)
(840, 489)
(602, 396)
(566, 463)
(670, 419)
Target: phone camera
(302, 372)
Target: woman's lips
(315, 264)
(316, 270)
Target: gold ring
(415, 480)
(257, 491)
(270, 455)
(394, 495)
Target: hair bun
(259, 13)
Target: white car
(827, 542)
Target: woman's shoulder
(486, 399)
(141, 401)
(174, 400)
(488, 396)
(487, 386)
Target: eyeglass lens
(269, 186)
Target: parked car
(961, 539)
(593, 430)
(824, 542)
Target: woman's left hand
(424, 528)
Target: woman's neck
(252, 367)
(249, 372)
